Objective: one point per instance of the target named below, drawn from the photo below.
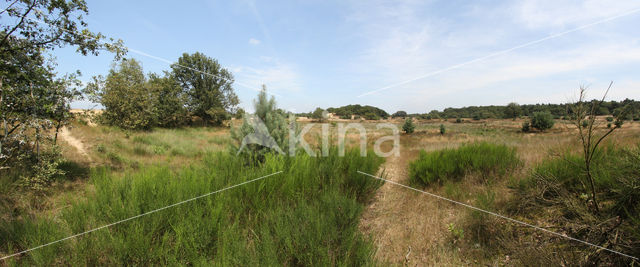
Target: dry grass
(400, 220)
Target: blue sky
(328, 53)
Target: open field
(119, 173)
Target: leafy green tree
(125, 95)
(512, 110)
(209, 94)
(318, 114)
(542, 121)
(168, 101)
(32, 99)
(408, 126)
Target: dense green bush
(542, 120)
(408, 126)
(526, 127)
(307, 215)
(442, 129)
(483, 158)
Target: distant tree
(458, 120)
(207, 86)
(512, 110)
(318, 114)
(371, 116)
(442, 129)
(408, 126)
(526, 127)
(239, 113)
(542, 121)
(399, 114)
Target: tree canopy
(207, 87)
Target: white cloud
(406, 41)
(277, 76)
(563, 13)
(253, 41)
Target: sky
(424, 55)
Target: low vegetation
(307, 215)
(486, 159)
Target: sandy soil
(408, 228)
(65, 134)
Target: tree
(408, 126)
(239, 113)
(207, 87)
(399, 114)
(318, 114)
(269, 123)
(135, 101)
(542, 121)
(512, 110)
(583, 116)
(168, 101)
(32, 99)
(442, 129)
(128, 100)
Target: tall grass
(444, 165)
(307, 215)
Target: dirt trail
(408, 228)
(65, 134)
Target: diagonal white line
(137, 216)
(501, 52)
(498, 215)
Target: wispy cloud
(253, 41)
(279, 77)
(403, 43)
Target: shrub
(307, 215)
(526, 127)
(609, 119)
(458, 120)
(542, 121)
(557, 186)
(442, 129)
(43, 171)
(452, 164)
(408, 126)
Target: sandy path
(65, 134)
(408, 228)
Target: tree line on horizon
(509, 111)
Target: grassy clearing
(483, 158)
(307, 215)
